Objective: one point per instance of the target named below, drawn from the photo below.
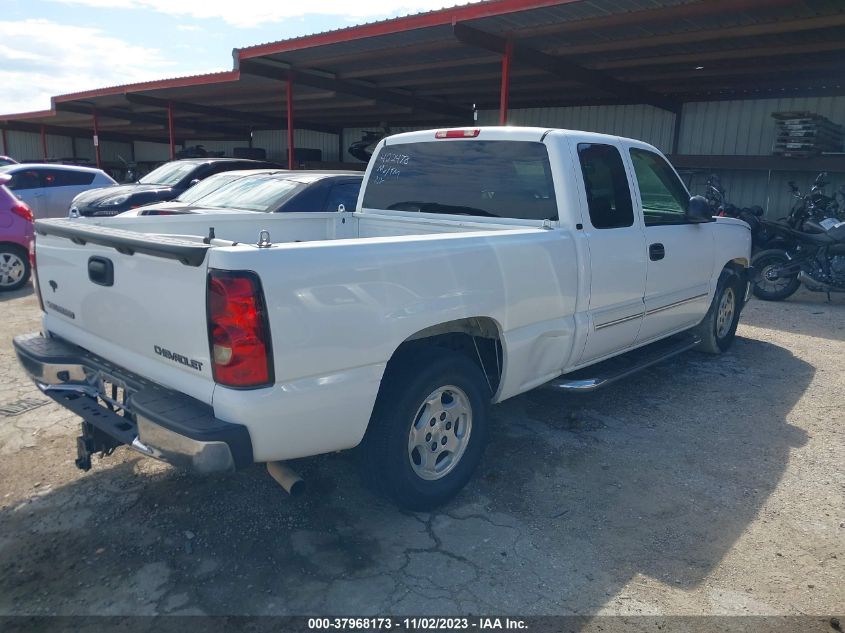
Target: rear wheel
(428, 429)
(14, 267)
(771, 286)
(718, 328)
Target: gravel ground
(702, 486)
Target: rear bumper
(148, 418)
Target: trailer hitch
(91, 442)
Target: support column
(97, 142)
(676, 133)
(291, 158)
(504, 95)
(5, 142)
(170, 130)
(44, 143)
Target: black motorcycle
(814, 205)
(816, 259)
(715, 196)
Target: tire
(14, 267)
(718, 328)
(773, 290)
(445, 398)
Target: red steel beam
(170, 132)
(97, 140)
(289, 99)
(44, 143)
(507, 57)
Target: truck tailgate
(116, 293)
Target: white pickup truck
(478, 264)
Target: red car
(16, 236)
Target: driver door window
(663, 195)
(680, 252)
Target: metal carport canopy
(431, 69)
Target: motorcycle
(363, 149)
(814, 205)
(816, 259)
(715, 196)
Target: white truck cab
(479, 263)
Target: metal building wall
(275, 142)
(145, 151)
(745, 127)
(643, 122)
(26, 146)
(23, 146)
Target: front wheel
(428, 429)
(771, 286)
(718, 328)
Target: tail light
(238, 330)
(23, 211)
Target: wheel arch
(479, 338)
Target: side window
(66, 178)
(310, 199)
(345, 194)
(28, 179)
(608, 195)
(664, 196)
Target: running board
(602, 374)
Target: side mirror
(698, 210)
(193, 182)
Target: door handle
(656, 252)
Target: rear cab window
(606, 186)
(500, 179)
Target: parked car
(163, 183)
(15, 238)
(6, 160)
(48, 188)
(267, 191)
(479, 264)
(189, 197)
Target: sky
(50, 47)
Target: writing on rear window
(499, 179)
(389, 166)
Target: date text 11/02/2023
(421, 623)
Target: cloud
(251, 13)
(40, 58)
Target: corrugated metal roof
(415, 70)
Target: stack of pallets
(803, 134)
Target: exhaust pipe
(287, 478)
(816, 286)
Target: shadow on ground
(807, 313)
(657, 476)
(24, 291)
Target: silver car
(48, 189)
